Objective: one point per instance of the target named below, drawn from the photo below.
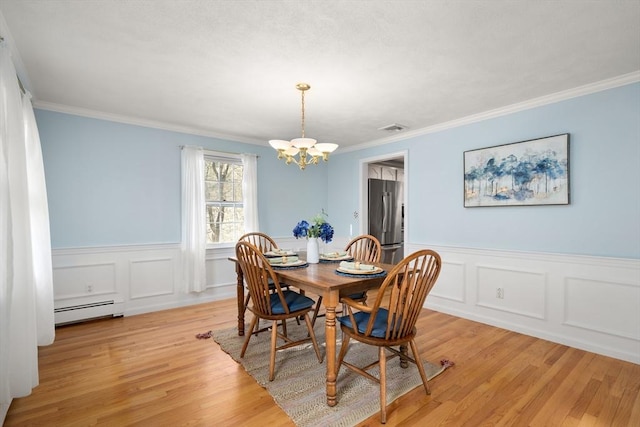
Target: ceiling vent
(394, 127)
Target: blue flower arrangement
(319, 227)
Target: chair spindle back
(260, 240)
(365, 248)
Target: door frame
(364, 189)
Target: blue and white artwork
(534, 172)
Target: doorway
(391, 171)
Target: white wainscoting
(143, 278)
(592, 303)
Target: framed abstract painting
(526, 173)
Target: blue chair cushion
(362, 320)
(358, 296)
(295, 302)
(272, 286)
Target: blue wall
(603, 217)
(117, 184)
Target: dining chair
(272, 305)
(364, 248)
(264, 243)
(390, 321)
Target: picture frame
(526, 173)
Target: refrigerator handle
(385, 212)
(392, 247)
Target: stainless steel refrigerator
(386, 218)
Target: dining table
(324, 280)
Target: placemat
(290, 267)
(362, 276)
(330, 261)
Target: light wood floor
(150, 370)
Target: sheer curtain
(194, 234)
(26, 281)
(250, 192)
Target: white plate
(337, 258)
(290, 264)
(279, 253)
(349, 271)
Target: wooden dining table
(320, 279)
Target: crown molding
(137, 121)
(591, 88)
(602, 85)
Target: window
(224, 198)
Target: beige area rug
(299, 386)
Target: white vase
(313, 251)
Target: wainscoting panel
(512, 290)
(450, 284)
(591, 303)
(140, 278)
(151, 277)
(220, 271)
(85, 279)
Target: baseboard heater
(82, 312)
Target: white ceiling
(229, 68)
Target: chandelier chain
(303, 113)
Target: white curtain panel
(250, 192)
(194, 237)
(40, 233)
(26, 289)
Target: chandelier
(308, 150)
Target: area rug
(299, 386)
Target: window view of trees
(507, 175)
(223, 194)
